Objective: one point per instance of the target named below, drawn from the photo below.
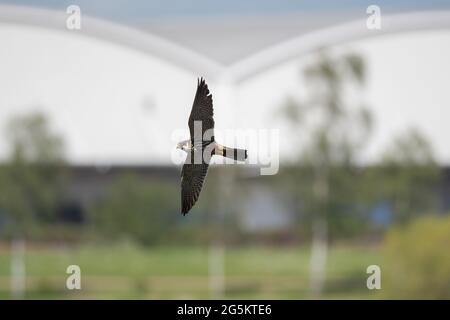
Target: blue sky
(134, 12)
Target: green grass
(126, 271)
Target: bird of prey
(201, 147)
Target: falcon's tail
(236, 154)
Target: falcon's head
(184, 145)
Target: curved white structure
(143, 84)
(336, 35)
(238, 71)
(112, 32)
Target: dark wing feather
(202, 110)
(192, 177)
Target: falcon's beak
(179, 145)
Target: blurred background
(88, 116)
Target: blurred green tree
(406, 176)
(416, 260)
(32, 177)
(137, 209)
(31, 182)
(332, 188)
(335, 130)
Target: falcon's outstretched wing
(194, 172)
(192, 177)
(202, 110)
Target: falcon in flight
(201, 147)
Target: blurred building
(116, 94)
